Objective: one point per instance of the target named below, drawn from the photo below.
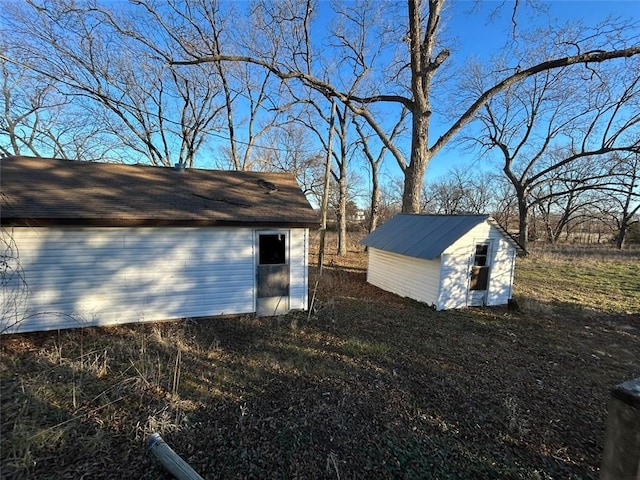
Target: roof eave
(519, 248)
(153, 222)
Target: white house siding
(298, 270)
(457, 260)
(405, 276)
(101, 276)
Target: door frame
(472, 296)
(282, 308)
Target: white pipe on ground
(170, 459)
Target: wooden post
(325, 193)
(621, 456)
(170, 459)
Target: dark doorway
(273, 249)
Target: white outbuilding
(447, 261)
(88, 243)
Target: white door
(272, 273)
(479, 275)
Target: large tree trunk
(414, 173)
(523, 221)
(622, 234)
(423, 66)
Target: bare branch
(589, 57)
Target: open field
(369, 386)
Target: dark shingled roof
(425, 236)
(45, 191)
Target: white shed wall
(502, 271)
(104, 276)
(457, 261)
(299, 271)
(454, 281)
(405, 276)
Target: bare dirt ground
(369, 385)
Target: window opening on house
(272, 249)
(480, 269)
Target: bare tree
(13, 284)
(22, 108)
(340, 155)
(242, 85)
(375, 162)
(340, 176)
(414, 87)
(291, 150)
(460, 191)
(620, 201)
(629, 199)
(160, 113)
(565, 199)
(311, 105)
(554, 120)
(390, 201)
(505, 206)
(39, 120)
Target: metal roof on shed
(45, 191)
(425, 236)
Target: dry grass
(581, 280)
(369, 386)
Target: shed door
(479, 275)
(272, 273)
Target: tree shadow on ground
(369, 385)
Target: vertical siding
(405, 276)
(298, 264)
(457, 260)
(100, 276)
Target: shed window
(273, 249)
(481, 255)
